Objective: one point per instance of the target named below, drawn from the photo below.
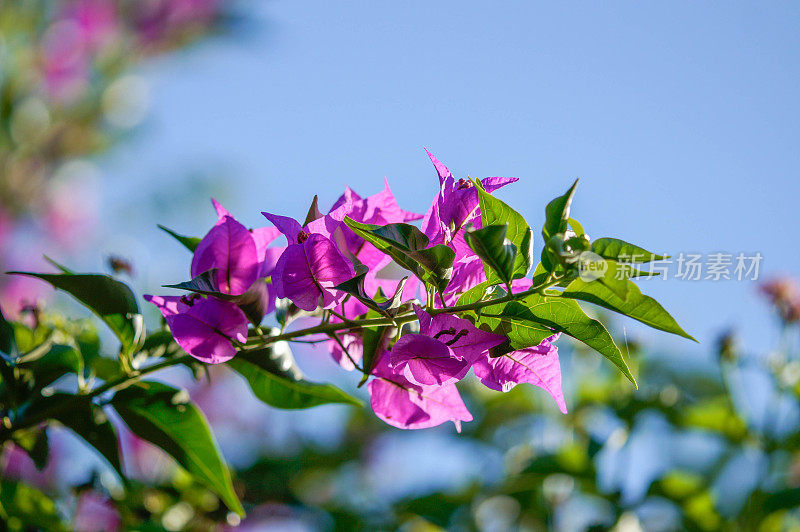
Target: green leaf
(497, 253)
(624, 297)
(562, 315)
(189, 242)
(576, 226)
(60, 267)
(88, 342)
(202, 284)
(474, 294)
(495, 212)
(355, 287)
(614, 248)
(276, 380)
(556, 222)
(557, 213)
(30, 507)
(165, 417)
(8, 352)
(110, 299)
(106, 368)
(540, 275)
(408, 247)
(52, 364)
(88, 421)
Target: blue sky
(682, 120)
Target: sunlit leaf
(624, 297)
(614, 248)
(557, 215)
(520, 333)
(495, 212)
(498, 254)
(276, 380)
(110, 299)
(165, 417)
(559, 314)
(189, 242)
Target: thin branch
(329, 329)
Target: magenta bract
(537, 365)
(406, 405)
(443, 351)
(203, 327)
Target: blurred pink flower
(65, 63)
(71, 204)
(97, 21)
(192, 11)
(160, 19)
(95, 513)
(18, 292)
(142, 460)
(784, 294)
(16, 464)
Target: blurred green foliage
(705, 443)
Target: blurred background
(681, 119)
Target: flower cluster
(413, 363)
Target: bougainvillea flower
(443, 351)
(230, 249)
(95, 512)
(203, 327)
(534, 365)
(456, 204)
(349, 353)
(312, 264)
(307, 272)
(379, 209)
(406, 405)
(427, 361)
(240, 257)
(262, 237)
